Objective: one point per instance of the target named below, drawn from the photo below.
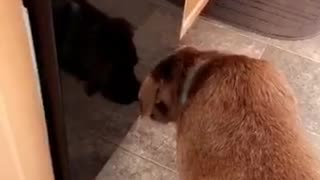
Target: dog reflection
(98, 50)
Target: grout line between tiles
(263, 50)
(294, 53)
(142, 157)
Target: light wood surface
(191, 11)
(24, 152)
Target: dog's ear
(148, 96)
(157, 87)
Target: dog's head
(120, 51)
(160, 91)
(111, 41)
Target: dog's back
(241, 123)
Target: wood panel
(24, 152)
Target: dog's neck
(187, 84)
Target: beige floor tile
(142, 71)
(88, 157)
(152, 140)
(244, 32)
(166, 4)
(136, 12)
(205, 35)
(309, 48)
(304, 76)
(125, 166)
(157, 37)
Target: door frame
(191, 10)
(41, 22)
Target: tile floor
(108, 143)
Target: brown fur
(240, 121)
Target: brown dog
(236, 117)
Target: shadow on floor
(95, 128)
